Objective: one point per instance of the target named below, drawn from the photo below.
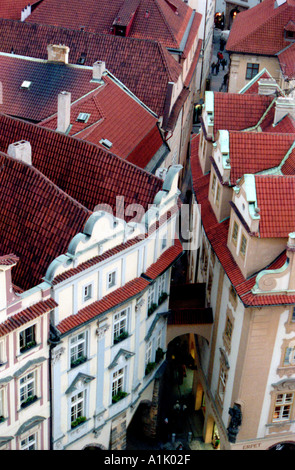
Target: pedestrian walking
(213, 66)
(220, 56)
(217, 68)
(223, 63)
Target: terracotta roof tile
(26, 315)
(249, 152)
(287, 62)
(144, 66)
(11, 9)
(233, 111)
(260, 29)
(275, 199)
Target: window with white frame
(87, 292)
(149, 352)
(112, 279)
(162, 284)
(78, 408)
(283, 406)
(118, 384)
(78, 349)
(159, 340)
(29, 443)
(27, 338)
(151, 296)
(222, 382)
(28, 389)
(120, 326)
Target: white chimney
(98, 68)
(26, 12)
(63, 111)
(58, 53)
(21, 151)
(284, 106)
(267, 86)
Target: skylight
(106, 143)
(26, 84)
(83, 117)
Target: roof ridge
(165, 21)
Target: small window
(120, 326)
(118, 385)
(283, 407)
(28, 389)
(235, 233)
(222, 382)
(77, 409)
(78, 348)
(243, 246)
(252, 71)
(83, 117)
(218, 195)
(27, 339)
(112, 279)
(2, 409)
(213, 186)
(29, 443)
(228, 329)
(87, 293)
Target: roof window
(26, 84)
(106, 143)
(83, 117)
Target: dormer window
(235, 233)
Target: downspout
(203, 45)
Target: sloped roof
(287, 62)
(217, 233)
(233, 111)
(160, 20)
(144, 66)
(260, 29)
(253, 152)
(85, 172)
(275, 199)
(47, 80)
(115, 115)
(37, 220)
(11, 9)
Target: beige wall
(238, 66)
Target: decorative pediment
(285, 384)
(121, 355)
(79, 382)
(30, 423)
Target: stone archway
(94, 446)
(284, 446)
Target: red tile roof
(217, 234)
(47, 80)
(288, 167)
(275, 199)
(26, 315)
(115, 115)
(249, 152)
(287, 62)
(164, 22)
(85, 172)
(260, 29)
(8, 260)
(233, 111)
(37, 220)
(144, 66)
(11, 9)
(124, 293)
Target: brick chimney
(99, 68)
(21, 151)
(58, 53)
(284, 106)
(63, 111)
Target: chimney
(21, 151)
(267, 86)
(63, 111)
(284, 105)
(26, 12)
(98, 68)
(58, 53)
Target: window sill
(82, 361)
(118, 341)
(28, 351)
(28, 404)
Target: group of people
(216, 65)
